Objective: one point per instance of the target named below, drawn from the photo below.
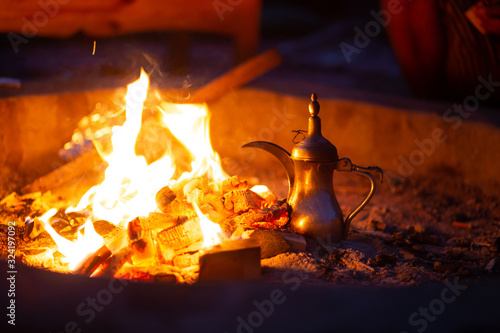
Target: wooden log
(134, 229)
(164, 197)
(88, 266)
(187, 260)
(231, 260)
(181, 235)
(114, 263)
(65, 173)
(271, 243)
(161, 221)
(240, 75)
(242, 200)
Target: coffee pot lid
(315, 148)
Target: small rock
(425, 238)
(418, 248)
(384, 259)
(441, 267)
(376, 220)
(452, 255)
(490, 265)
(459, 242)
(495, 246)
(485, 252)
(419, 228)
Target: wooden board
(108, 18)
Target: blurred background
(307, 33)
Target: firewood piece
(113, 264)
(233, 183)
(103, 227)
(88, 266)
(232, 260)
(65, 173)
(242, 74)
(199, 183)
(216, 202)
(134, 229)
(242, 201)
(34, 228)
(143, 249)
(180, 235)
(180, 207)
(274, 217)
(164, 197)
(271, 243)
(196, 246)
(162, 221)
(187, 260)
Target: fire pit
(426, 224)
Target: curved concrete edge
(404, 143)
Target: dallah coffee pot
(314, 208)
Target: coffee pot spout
(281, 154)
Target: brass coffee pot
(314, 208)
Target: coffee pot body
(310, 167)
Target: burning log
(273, 217)
(162, 221)
(242, 201)
(114, 263)
(134, 229)
(187, 260)
(164, 197)
(140, 241)
(233, 183)
(34, 228)
(181, 235)
(199, 183)
(71, 170)
(180, 207)
(88, 266)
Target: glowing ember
(260, 189)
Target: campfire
(150, 220)
(158, 206)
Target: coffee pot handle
(345, 164)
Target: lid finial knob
(314, 105)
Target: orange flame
(131, 184)
(210, 230)
(75, 252)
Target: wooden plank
(237, 77)
(65, 173)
